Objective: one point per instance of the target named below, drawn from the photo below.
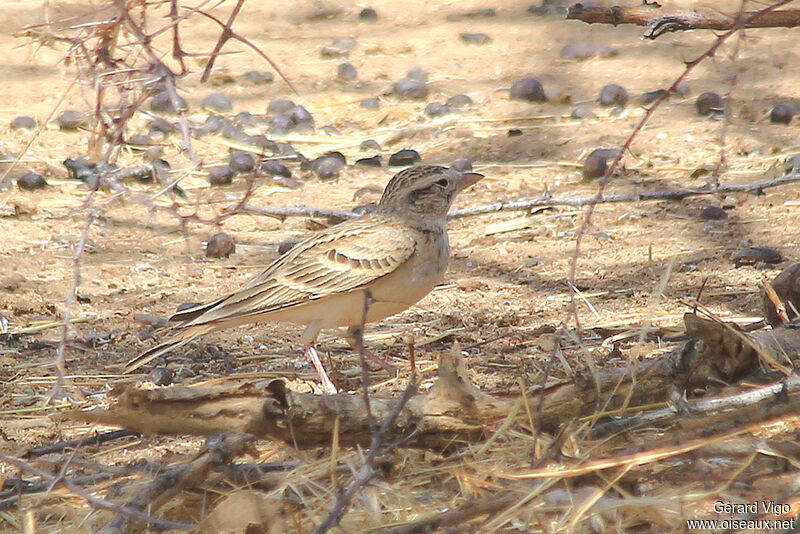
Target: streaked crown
(424, 190)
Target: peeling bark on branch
(454, 411)
(659, 22)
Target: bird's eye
(442, 183)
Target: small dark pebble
(275, 168)
(330, 129)
(187, 306)
(280, 105)
(409, 88)
(258, 77)
(514, 132)
(613, 95)
(596, 163)
(529, 89)
(23, 122)
(407, 156)
(369, 144)
(297, 119)
(792, 163)
(149, 319)
(305, 163)
(261, 141)
(787, 286)
(286, 246)
(417, 73)
(347, 43)
(217, 102)
(291, 183)
(160, 125)
(683, 89)
(461, 165)
(244, 119)
(280, 123)
(79, 168)
(220, 245)
(70, 119)
(756, 255)
(232, 132)
(328, 166)
(241, 161)
(709, 103)
(140, 140)
(83, 298)
(583, 111)
(213, 124)
(485, 12)
(302, 119)
(371, 189)
(30, 181)
(162, 102)
(161, 376)
(713, 213)
(459, 101)
(155, 153)
(782, 113)
(284, 149)
(338, 155)
(220, 175)
(368, 14)
(324, 13)
(370, 103)
(364, 209)
(145, 334)
(475, 38)
(651, 96)
(374, 161)
(437, 109)
(332, 51)
(346, 72)
(584, 50)
(340, 47)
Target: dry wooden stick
(525, 204)
(659, 22)
(454, 411)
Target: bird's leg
(327, 385)
(355, 338)
(309, 338)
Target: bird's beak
(467, 179)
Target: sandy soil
(501, 282)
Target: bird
(356, 272)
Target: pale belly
(388, 296)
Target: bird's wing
(342, 258)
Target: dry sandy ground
(502, 281)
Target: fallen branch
(659, 22)
(454, 412)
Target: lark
(356, 272)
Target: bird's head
(425, 190)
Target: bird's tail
(178, 340)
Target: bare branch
(659, 22)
